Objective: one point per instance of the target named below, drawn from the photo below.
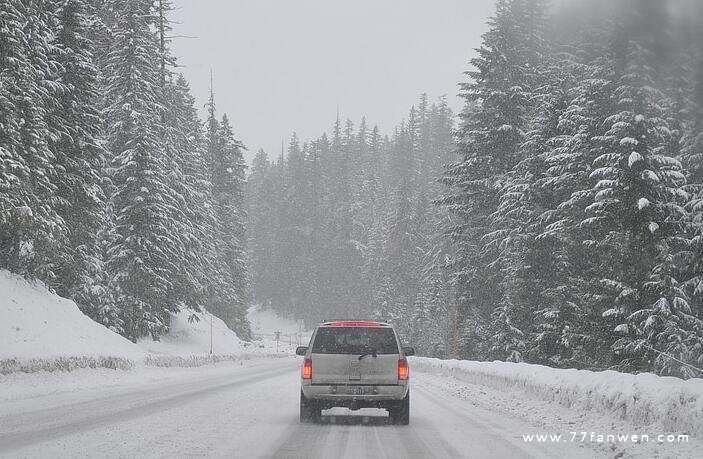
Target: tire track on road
(355, 436)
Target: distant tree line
(344, 226)
(112, 192)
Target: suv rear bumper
(338, 393)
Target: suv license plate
(359, 390)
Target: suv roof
(353, 323)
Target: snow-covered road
(440, 427)
(252, 411)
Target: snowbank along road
(251, 410)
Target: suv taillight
(403, 370)
(307, 369)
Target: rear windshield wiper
(371, 352)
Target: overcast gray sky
(285, 65)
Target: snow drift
(37, 324)
(643, 400)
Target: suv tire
(400, 411)
(309, 411)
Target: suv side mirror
(408, 351)
(301, 350)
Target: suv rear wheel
(400, 411)
(309, 411)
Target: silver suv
(355, 364)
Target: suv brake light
(354, 323)
(307, 369)
(403, 370)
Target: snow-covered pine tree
(497, 102)
(401, 260)
(259, 217)
(693, 278)
(294, 218)
(146, 247)
(32, 233)
(279, 291)
(636, 212)
(433, 310)
(692, 142)
(570, 322)
(15, 193)
(229, 292)
(184, 144)
(80, 158)
(379, 194)
(512, 227)
(690, 75)
(538, 285)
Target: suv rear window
(354, 340)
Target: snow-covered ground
(37, 324)
(522, 417)
(644, 400)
